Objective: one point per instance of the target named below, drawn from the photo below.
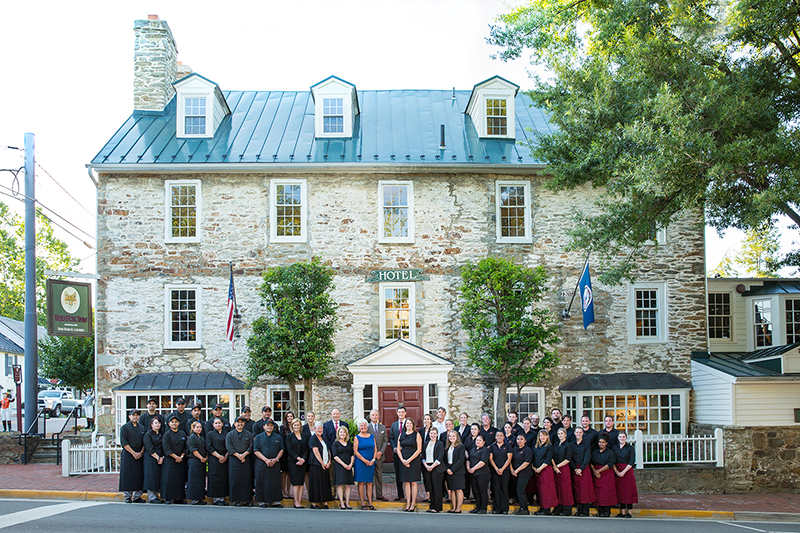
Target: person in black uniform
(197, 458)
(521, 458)
(409, 450)
(343, 461)
(500, 462)
(197, 411)
(464, 428)
(319, 459)
(455, 458)
(433, 469)
(487, 430)
(469, 444)
(567, 420)
(297, 450)
(258, 425)
(151, 413)
(153, 459)
(216, 412)
(528, 432)
(173, 470)
(239, 444)
(513, 417)
(181, 412)
(249, 423)
(550, 428)
(217, 462)
(131, 472)
(590, 434)
(627, 493)
(478, 466)
(555, 416)
(268, 450)
(562, 457)
(582, 484)
(283, 431)
(543, 469)
(611, 431)
(602, 466)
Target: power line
(62, 188)
(16, 197)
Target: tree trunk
(293, 398)
(309, 395)
(501, 414)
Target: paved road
(97, 517)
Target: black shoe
(168, 502)
(522, 512)
(495, 511)
(180, 502)
(128, 501)
(280, 505)
(139, 500)
(567, 512)
(474, 511)
(542, 512)
(398, 499)
(264, 505)
(199, 502)
(237, 504)
(482, 511)
(156, 500)
(221, 504)
(628, 515)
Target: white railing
(95, 458)
(678, 449)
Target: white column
(358, 401)
(639, 448)
(65, 458)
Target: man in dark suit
(378, 430)
(331, 428)
(394, 434)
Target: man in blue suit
(331, 428)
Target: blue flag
(587, 298)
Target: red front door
(390, 398)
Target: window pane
(792, 321)
(183, 318)
(395, 210)
(183, 207)
(512, 211)
(719, 315)
(289, 210)
(646, 302)
(762, 318)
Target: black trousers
(435, 480)
(480, 490)
(397, 465)
(500, 491)
(522, 483)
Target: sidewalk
(45, 481)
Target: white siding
(712, 397)
(767, 403)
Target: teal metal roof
(786, 286)
(401, 126)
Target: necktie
(336, 426)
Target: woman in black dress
(602, 465)
(268, 450)
(153, 458)
(627, 493)
(424, 431)
(173, 471)
(409, 450)
(521, 459)
(285, 429)
(562, 457)
(297, 451)
(198, 456)
(433, 469)
(217, 463)
(500, 461)
(319, 480)
(582, 484)
(343, 461)
(455, 458)
(478, 466)
(543, 469)
(469, 444)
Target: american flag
(231, 310)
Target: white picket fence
(97, 457)
(678, 449)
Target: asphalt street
(96, 517)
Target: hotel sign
(69, 308)
(410, 274)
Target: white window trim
(509, 119)
(663, 334)
(661, 238)
(412, 315)
(528, 212)
(410, 238)
(778, 321)
(347, 110)
(168, 342)
(784, 324)
(181, 104)
(273, 213)
(731, 339)
(198, 200)
(684, 393)
(543, 411)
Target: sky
(67, 72)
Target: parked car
(56, 402)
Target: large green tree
(70, 359)
(51, 253)
(294, 339)
(510, 340)
(670, 106)
(759, 253)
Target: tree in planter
(70, 359)
(294, 340)
(510, 341)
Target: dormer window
(491, 107)
(335, 108)
(201, 107)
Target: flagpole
(565, 313)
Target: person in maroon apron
(627, 494)
(603, 460)
(543, 468)
(562, 456)
(582, 484)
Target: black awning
(180, 381)
(625, 381)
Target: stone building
(396, 190)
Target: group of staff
(189, 459)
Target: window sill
(187, 346)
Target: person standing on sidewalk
(5, 411)
(378, 430)
(131, 472)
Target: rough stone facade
(455, 223)
(10, 449)
(681, 480)
(760, 458)
(154, 64)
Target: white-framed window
(396, 211)
(288, 208)
(369, 400)
(496, 117)
(571, 408)
(333, 115)
(719, 315)
(513, 207)
(792, 306)
(194, 115)
(279, 399)
(647, 313)
(433, 399)
(397, 312)
(183, 211)
(182, 320)
(531, 401)
(762, 323)
(655, 412)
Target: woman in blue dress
(365, 450)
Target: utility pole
(31, 331)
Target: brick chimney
(155, 65)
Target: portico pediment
(400, 353)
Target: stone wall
(155, 65)
(760, 458)
(10, 449)
(681, 480)
(455, 223)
